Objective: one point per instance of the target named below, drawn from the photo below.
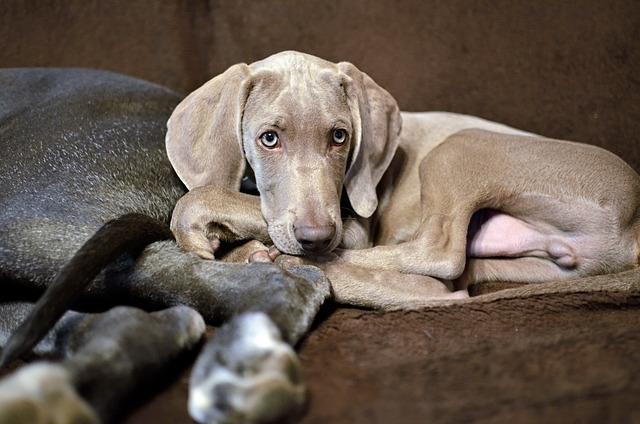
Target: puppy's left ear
(377, 125)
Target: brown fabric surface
(553, 360)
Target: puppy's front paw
(208, 217)
(197, 241)
(251, 251)
(42, 393)
(246, 374)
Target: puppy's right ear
(203, 141)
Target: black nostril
(314, 239)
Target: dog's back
(111, 127)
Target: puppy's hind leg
(450, 194)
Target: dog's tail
(129, 232)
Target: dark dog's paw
(42, 393)
(246, 374)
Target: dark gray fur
(124, 348)
(82, 147)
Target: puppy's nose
(314, 238)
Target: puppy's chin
(283, 239)
(320, 252)
(289, 248)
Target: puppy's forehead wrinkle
(299, 110)
(298, 78)
(316, 105)
(287, 63)
(301, 99)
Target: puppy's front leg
(208, 216)
(387, 290)
(377, 288)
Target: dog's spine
(129, 232)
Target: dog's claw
(246, 374)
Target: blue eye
(340, 137)
(269, 139)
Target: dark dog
(82, 148)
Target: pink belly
(493, 234)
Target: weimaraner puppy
(434, 201)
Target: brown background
(566, 69)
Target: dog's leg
(128, 349)
(246, 373)
(438, 248)
(107, 359)
(176, 278)
(526, 269)
(384, 289)
(376, 288)
(208, 216)
(242, 252)
(164, 275)
(43, 393)
(219, 290)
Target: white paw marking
(246, 373)
(42, 393)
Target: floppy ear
(203, 141)
(377, 124)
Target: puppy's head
(307, 127)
